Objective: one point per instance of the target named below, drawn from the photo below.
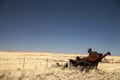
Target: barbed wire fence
(26, 62)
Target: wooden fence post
(69, 65)
(8, 63)
(47, 63)
(24, 63)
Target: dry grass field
(42, 66)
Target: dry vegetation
(42, 66)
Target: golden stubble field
(42, 66)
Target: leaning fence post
(24, 63)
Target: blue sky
(63, 26)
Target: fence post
(8, 63)
(69, 65)
(24, 63)
(47, 63)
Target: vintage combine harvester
(87, 63)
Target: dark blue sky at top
(70, 26)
